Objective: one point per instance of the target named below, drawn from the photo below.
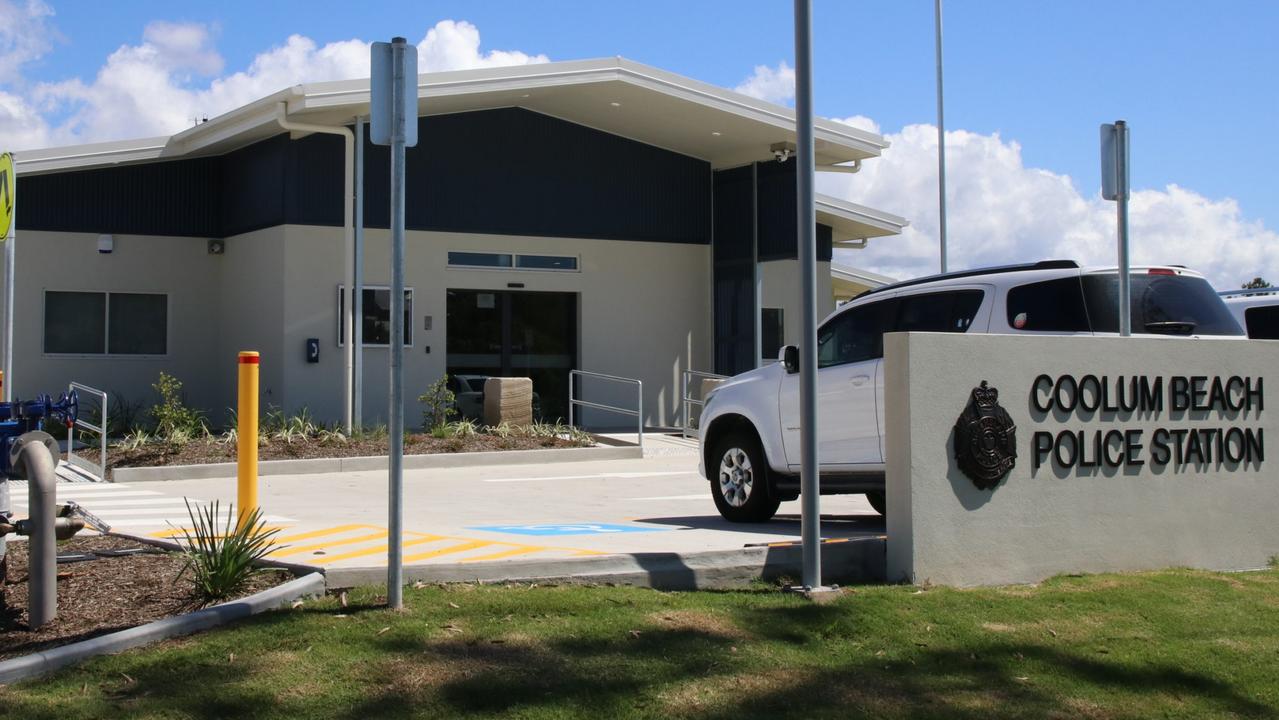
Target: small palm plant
(222, 558)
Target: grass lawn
(1168, 644)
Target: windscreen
(1161, 305)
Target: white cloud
(172, 77)
(26, 34)
(772, 84)
(1000, 211)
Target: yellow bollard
(246, 434)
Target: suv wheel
(739, 482)
(876, 500)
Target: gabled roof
(615, 95)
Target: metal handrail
(687, 418)
(101, 430)
(637, 413)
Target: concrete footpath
(490, 522)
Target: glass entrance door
(514, 334)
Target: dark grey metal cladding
(504, 171)
(181, 197)
(733, 268)
(514, 171)
(776, 214)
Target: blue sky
(1196, 81)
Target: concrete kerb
(858, 560)
(46, 661)
(379, 462)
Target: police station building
(598, 215)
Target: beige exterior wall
(179, 267)
(1126, 515)
(781, 290)
(643, 313)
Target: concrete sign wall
(1120, 454)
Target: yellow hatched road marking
(180, 531)
(326, 531)
(522, 550)
(295, 549)
(450, 550)
(378, 549)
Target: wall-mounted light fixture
(106, 243)
(217, 247)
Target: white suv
(750, 423)
(1257, 310)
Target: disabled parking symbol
(567, 529)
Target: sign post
(393, 121)
(809, 492)
(9, 236)
(1114, 186)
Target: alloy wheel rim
(736, 477)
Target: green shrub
(174, 421)
(221, 559)
(439, 402)
(457, 429)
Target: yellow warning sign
(8, 187)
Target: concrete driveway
(545, 511)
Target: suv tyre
(739, 479)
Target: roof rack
(1249, 291)
(1041, 265)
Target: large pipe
(348, 228)
(34, 456)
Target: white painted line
(596, 476)
(104, 488)
(108, 512)
(698, 496)
(151, 522)
(130, 502)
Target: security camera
(782, 150)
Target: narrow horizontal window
(477, 259)
(546, 262)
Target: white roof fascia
(79, 156)
(888, 222)
(857, 275)
(317, 96)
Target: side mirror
(789, 357)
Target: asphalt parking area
(543, 511)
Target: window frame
(515, 261)
(106, 325)
(409, 335)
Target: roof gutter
(348, 237)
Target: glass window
(1161, 304)
(478, 259)
(951, 311)
(138, 324)
(75, 322)
(545, 262)
(773, 332)
(1048, 306)
(856, 334)
(376, 309)
(1263, 322)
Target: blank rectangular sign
(380, 107)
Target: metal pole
(35, 460)
(357, 294)
(1121, 173)
(246, 436)
(10, 257)
(395, 547)
(811, 518)
(941, 143)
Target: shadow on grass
(607, 670)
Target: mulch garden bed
(199, 452)
(100, 596)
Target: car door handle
(859, 380)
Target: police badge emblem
(985, 439)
